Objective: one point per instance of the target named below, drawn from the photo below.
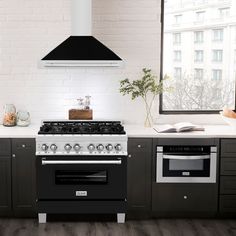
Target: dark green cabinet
(139, 176)
(17, 177)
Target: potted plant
(148, 87)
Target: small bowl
(229, 121)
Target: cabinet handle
(129, 155)
(139, 146)
(13, 155)
(185, 197)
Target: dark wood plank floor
(158, 227)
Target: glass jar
(9, 115)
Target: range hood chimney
(81, 49)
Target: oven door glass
(184, 166)
(73, 177)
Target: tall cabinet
(139, 176)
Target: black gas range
(81, 168)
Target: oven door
(83, 177)
(186, 168)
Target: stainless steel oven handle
(176, 157)
(60, 162)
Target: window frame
(177, 112)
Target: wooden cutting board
(76, 114)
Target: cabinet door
(23, 177)
(139, 174)
(5, 186)
(228, 166)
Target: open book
(178, 127)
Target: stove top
(81, 127)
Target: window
(178, 19)
(198, 56)
(217, 55)
(198, 74)
(217, 74)
(218, 35)
(177, 55)
(201, 67)
(224, 12)
(177, 38)
(200, 16)
(198, 37)
(177, 72)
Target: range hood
(81, 49)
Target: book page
(183, 126)
(164, 128)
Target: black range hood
(81, 51)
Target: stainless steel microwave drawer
(228, 148)
(228, 166)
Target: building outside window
(217, 55)
(198, 37)
(177, 38)
(224, 12)
(218, 35)
(177, 73)
(200, 16)
(198, 74)
(178, 19)
(216, 74)
(177, 55)
(198, 55)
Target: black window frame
(177, 112)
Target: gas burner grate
(81, 127)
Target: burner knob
(91, 147)
(77, 147)
(67, 147)
(109, 147)
(100, 147)
(44, 147)
(118, 147)
(53, 147)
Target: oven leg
(120, 218)
(42, 218)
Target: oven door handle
(62, 162)
(176, 157)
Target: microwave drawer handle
(60, 162)
(176, 157)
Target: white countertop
(135, 131)
(211, 131)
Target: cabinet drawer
(184, 198)
(228, 166)
(228, 203)
(139, 144)
(5, 147)
(228, 148)
(228, 185)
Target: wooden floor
(162, 227)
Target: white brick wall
(30, 28)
